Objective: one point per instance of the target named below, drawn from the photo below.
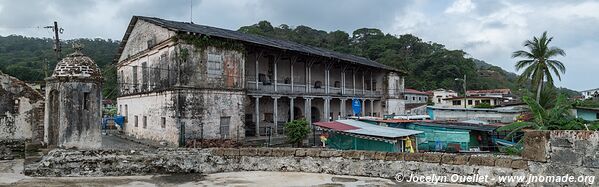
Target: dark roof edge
(152, 20)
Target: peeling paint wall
(76, 121)
(158, 82)
(21, 111)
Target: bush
(297, 131)
(483, 105)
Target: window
(597, 116)
(215, 65)
(337, 84)
(144, 76)
(373, 85)
(136, 121)
(134, 77)
(439, 100)
(317, 84)
(405, 97)
(224, 127)
(456, 102)
(120, 109)
(163, 122)
(86, 101)
(477, 102)
(469, 101)
(145, 122)
(413, 98)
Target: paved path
(111, 141)
(247, 178)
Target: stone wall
(21, 111)
(563, 152)
(572, 153)
(11, 149)
(357, 163)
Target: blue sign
(357, 106)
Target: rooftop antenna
(191, 11)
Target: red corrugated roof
(335, 126)
(413, 91)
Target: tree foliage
(538, 63)
(297, 131)
(26, 58)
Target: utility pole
(57, 46)
(465, 92)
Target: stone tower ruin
(72, 116)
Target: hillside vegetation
(429, 65)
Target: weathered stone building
(73, 103)
(21, 111)
(183, 81)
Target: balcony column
(371, 84)
(307, 109)
(342, 107)
(275, 71)
(363, 113)
(327, 108)
(372, 107)
(363, 84)
(291, 71)
(343, 81)
(257, 112)
(258, 56)
(291, 112)
(275, 116)
(353, 71)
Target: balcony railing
(300, 88)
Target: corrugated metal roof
(334, 125)
(254, 39)
(367, 129)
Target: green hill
(429, 65)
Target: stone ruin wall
(21, 116)
(555, 159)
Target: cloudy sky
(487, 29)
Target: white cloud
(460, 6)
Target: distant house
(586, 113)
(415, 101)
(507, 114)
(587, 94)
(438, 95)
(469, 102)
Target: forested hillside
(429, 65)
(26, 58)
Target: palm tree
(538, 63)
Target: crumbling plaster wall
(78, 118)
(174, 77)
(21, 111)
(139, 36)
(155, 107)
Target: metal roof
(336, 126)
(465, 126)
(252, 39)
(363, 128)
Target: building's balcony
(300, 88)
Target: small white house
(590, 93)
(440, 94)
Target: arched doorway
(315, 114)
(297, 114)
(53, 120)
